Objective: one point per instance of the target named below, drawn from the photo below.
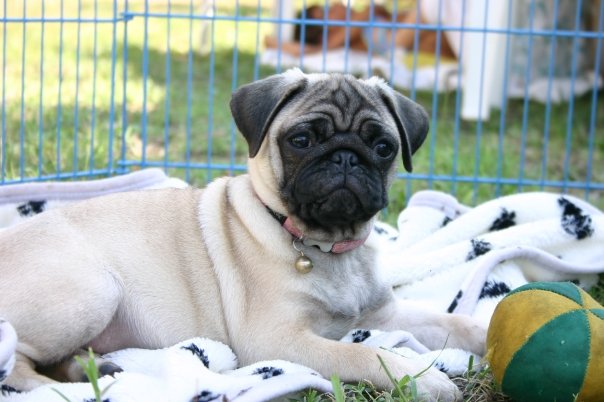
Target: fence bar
(548, 106)
(480, 101)
(144, 117)
(3, 144)
(168, 68)
(257, 45)
(458, 104)
(62, 20)
(41, 97)
(571, 103)
(558, 184)
(22, 119)
(594, 103)
(324, 35)
(76, 110)
(211, 83)
(504, 105)
(346, 37)
(525, 108)
(434, 130)
(124, 87)
(399, 25)
(112, 94)
(58, 164)
(93, 101)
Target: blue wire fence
(94, 88)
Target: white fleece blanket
(443, 255)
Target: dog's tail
(8, 345)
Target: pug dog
(273, 263)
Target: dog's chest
(346, 289)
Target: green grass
(167, 122)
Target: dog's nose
(345, 158)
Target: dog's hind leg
(71, 370)
(24, 375)
(53, 324)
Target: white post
(284, 9)
(486, 71)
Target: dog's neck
(337, 247)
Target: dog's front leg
(356, 362)
(435, 330)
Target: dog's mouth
(328, 196)
(340, 208)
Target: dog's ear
(255, 105)
(411, 121)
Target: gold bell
(303, 264)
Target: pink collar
(336, 248)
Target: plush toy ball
(546, 343)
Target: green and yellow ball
(546, 343)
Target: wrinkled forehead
(345, 101)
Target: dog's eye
(383, 149)
(301, 140)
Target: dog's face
(324, 147)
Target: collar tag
(324, 246)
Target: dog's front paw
(456, 331)
(469, 335)
(434, 385)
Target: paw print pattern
(574, 221)
(268, 372)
